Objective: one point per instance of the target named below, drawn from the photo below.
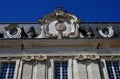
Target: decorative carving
(40, 58)
(80, 57)
(59, 23)
(34, 58)
(28, 58)
(60, 27)
(89, 32)
(89, 57)
(23, 34)
(92, 57)
(86, 33)
(106, 31)
(13, 31)
(31, 32)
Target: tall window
(61, 70)
(7, 71)
(113, 70)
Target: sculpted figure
(31, 32)
(89, 32)
(23, 34)
(1, 35)
(86, 33)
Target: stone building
(60, 46)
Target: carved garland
(89, 57)
(34, 58)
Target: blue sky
(88, 10)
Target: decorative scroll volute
(89, 57)
(34, 58)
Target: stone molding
(80, 57)
(111, 58)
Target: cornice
(79, 57)
(33, 43)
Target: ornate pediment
(59, 24)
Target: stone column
(27, 71)
(82, 69)
(20, 69)
(93, 70)
(104, 69)
(70, 76)
(51, 69)
(16, 69)
(34, 70)
(75, 70)
(40, 70)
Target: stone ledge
(33, 43)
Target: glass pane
(64, 70)
(113, 70)
(60, 70)
(57, 70)
(7, 71)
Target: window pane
(113, 70)
(7, 71)
(60, 70)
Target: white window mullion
(0, 67)
(113, 70)
(61, 71)
(7, 71)
(119, 66)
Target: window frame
(61, 68)
(113, 68)
(17, 73)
